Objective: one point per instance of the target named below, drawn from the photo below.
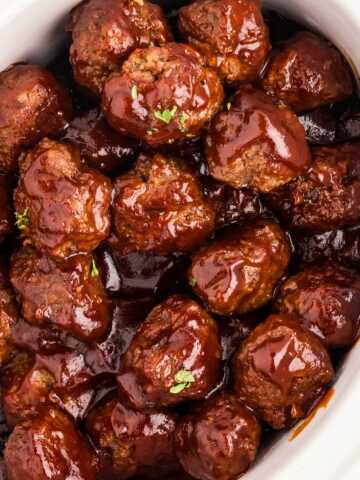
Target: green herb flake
(166, 116)
(182, 120)
(228, 105)
(193, 282)
(22, 220)
(183, 380)
(134, 92)
(94, 269)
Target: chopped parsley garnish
(22, 219)
(94, 269)
(134, 92)
(183, 380)
(182, 120)
(193, 282)
(166, 116)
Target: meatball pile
(179, 245)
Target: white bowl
(328, 448)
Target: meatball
(231, 34)
(326, 299)
(8, 316)
(218, 440)
(133, 442)
(159, 206)
(6, 213)
(281, 370)
(32, 105)
(238, 272)
(100, 146)
(327, 196)
(49, 446)
(69, 296)
(65, 378)
(105, 32)
(63, 207)
(162, 94)
(257, 142)
(308, 72)
(175, 356)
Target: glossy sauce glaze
(123, 342)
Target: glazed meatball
(62, 206)
(231, 34)
(100, 146)
(8, 316)
(218, 440)
(159, 206)
(327, 196)
(133, 442)
(162, 94)
(32, 105)
(6, 213)
(65, 378)
(175, 356)
(105, 32)
(326, 299)
(69, 296)
(238, 272)
(257, 142)
(281, 370)
(49, 447)
(308, 72)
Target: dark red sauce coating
(231, 35)
(238, 272)
(178, 335)
(326, 298)
(256, 142)
(281, 370)
(218, 440)
(105, 32)
(132, 442)
(100, 146)
(33, 106)
(49, 447)
(66, 204)
(307, 72)
(327, 196)
(162, 94)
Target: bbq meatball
(49, 446)
(327, 196)
(159, 206)
(307, 72)
(6, 213)
(8, 316)
(105, 32)
(175, 356)
(238, 272)
(62, 206)
(326, 299)
(133, 442)
(32, 105)
(218, 440)
(69, 295)
(257, 142)
(281, 370)
(231, 34)
(100, 146)
(162, 94)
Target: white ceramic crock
(329, 447)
